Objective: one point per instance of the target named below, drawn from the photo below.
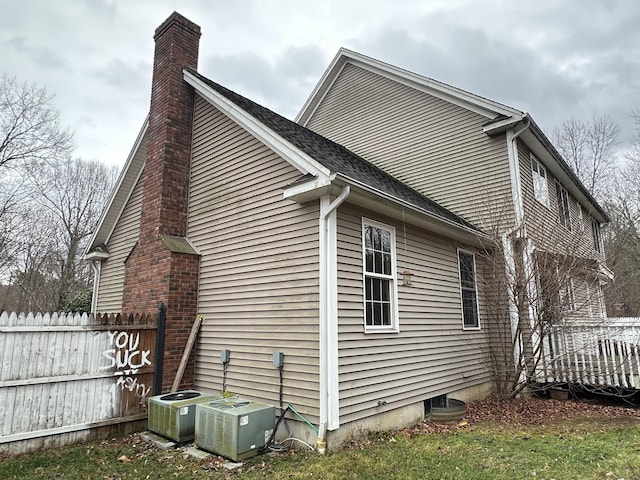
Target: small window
(468, 290)
(595, 231)
(540, 189)
(380, 294)
(563, 206)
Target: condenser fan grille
(180, 396)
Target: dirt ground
(535, 410)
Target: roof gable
(500, 117)
(329, 157)
(122, 191)
(457, 96)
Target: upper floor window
(595, 231)
(468, 289)
(540, 189)
(380, 291)
(563, 206)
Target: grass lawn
(563, 447)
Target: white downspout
(329, 385)
(96, 264)
(509, 256)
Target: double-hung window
(380, 290)
(563, 206)
(540, 190)
(595, 231)
(468, 290)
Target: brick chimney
(163, 267)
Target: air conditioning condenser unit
(234, 427)
(173, 415)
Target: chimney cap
(180, 21)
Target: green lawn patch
(585, 449)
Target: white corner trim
(514, 172)
(288, 151)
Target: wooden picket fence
(66, 378)
(597, 355)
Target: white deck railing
(604, 354)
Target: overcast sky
(550, 58)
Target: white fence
(63, 376)
(600, 355)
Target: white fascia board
(119, 196)
(322, 87)
(483, 106)
(282, 147)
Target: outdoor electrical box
(234, 427)
(224, 355)
(278, 359)
(173, 415)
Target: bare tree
(72, 193)
(29, 125)
(622, 239)
(30, 134)
(589, 148)
(49, 202)
(531, 294)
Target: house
(358, 241)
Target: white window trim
(596, 236)
(475, 284)
(542, 172)
(394, 327)
(559, 200)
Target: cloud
(281, 83)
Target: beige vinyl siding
(543, 223)
(122, 240)
(588, 304)
(434, 146)
(259, 274)
(431, 355)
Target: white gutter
(329, 385)
(410, 206)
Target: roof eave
(120, 194)
(300, 160)
(363, 195)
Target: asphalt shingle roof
(334, 156)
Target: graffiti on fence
(125, 355)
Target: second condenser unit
(234, 427)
